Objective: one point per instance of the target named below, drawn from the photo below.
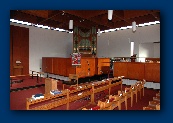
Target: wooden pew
(109, 104)
(67, 97)
(138, 87)
(116, 100)
(128, 94)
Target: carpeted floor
(18, 98)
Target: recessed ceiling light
(109, 30)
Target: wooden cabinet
(50, 84)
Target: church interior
(84, 60)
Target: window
(131, 48)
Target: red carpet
(27, 81)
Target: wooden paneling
(152, 72)
(19, 48)
(92, 66)
(135, 70)
(62, 66)
(138, 71)
(56, 67)
(120, 69)
(59, 66)
(70, 68)
(44, 64)
(11, 50)
(47, 64)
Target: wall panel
(11, 50)
(70, 69)
(120, 69)
(19, 48)
(135, 70)
(138, 71)
(47, 64)
(152, 72)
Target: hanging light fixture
(98, 32)
(110, 13)
(71, 25)
(134, 26)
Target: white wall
(47, 43)
(50, 43)
(151, 50)
(112, 44)
(119, 41)
(156, 50)
(146, 50)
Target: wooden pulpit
(50, 84)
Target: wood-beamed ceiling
(85, 19)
